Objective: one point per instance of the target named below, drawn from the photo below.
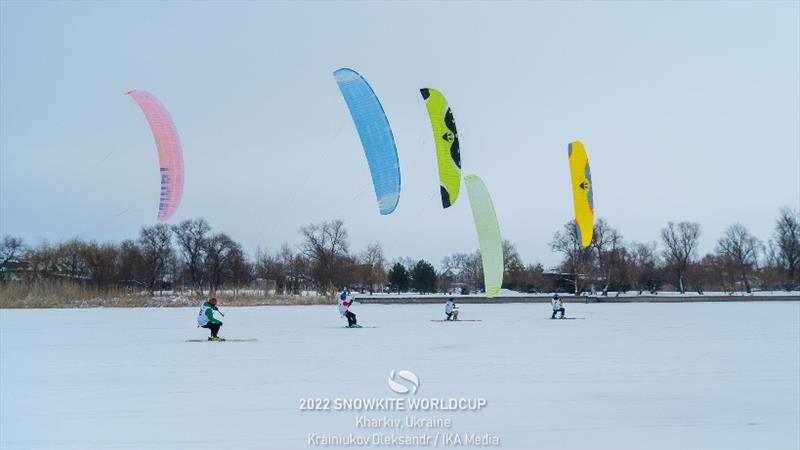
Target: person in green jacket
(206, 318)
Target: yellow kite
(582, 191)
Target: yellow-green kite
(488, 234)
(445, 136)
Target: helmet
(555, 296)
(212, 301)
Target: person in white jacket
(558, 306)
(344, 309)
(206, 319)
(451, 310)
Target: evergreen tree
(423, 277)
(398, 278)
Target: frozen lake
(707, 375)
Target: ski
(567, 318)
(459, 320)
(223, 340)
(360, 326)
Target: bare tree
(467, 268)
(155, 243)
(375, 262)
(643, 267)
(607, 242)
(11, 250)
(325, 247)
(192, 239)
(739, 249)
(42, 260)
(680, 246)
(270, 268)
(455, 262)
(70, 259)
(220, 251)
(287, 269)
(511, 258)
(786, 247)
(240, 271)
(295, 267)
(712, 272)
(473, 271)
(407, 262)
(455, 265)
(577, 259)
(514, 274)
(101, 263)
(131, 264)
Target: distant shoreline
(670, 298)
(183, 302)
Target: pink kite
(170, 154)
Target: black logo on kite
(448, 137)
(584, 185)
(450, 123)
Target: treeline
(191, 257)
(183, 256)
(740, 261)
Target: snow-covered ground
(636, 375)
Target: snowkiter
(558, 306)
(344, 308)
(451, 310)
(206, 318)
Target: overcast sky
(688, 111)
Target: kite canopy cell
(376, 137)
(170, 154)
